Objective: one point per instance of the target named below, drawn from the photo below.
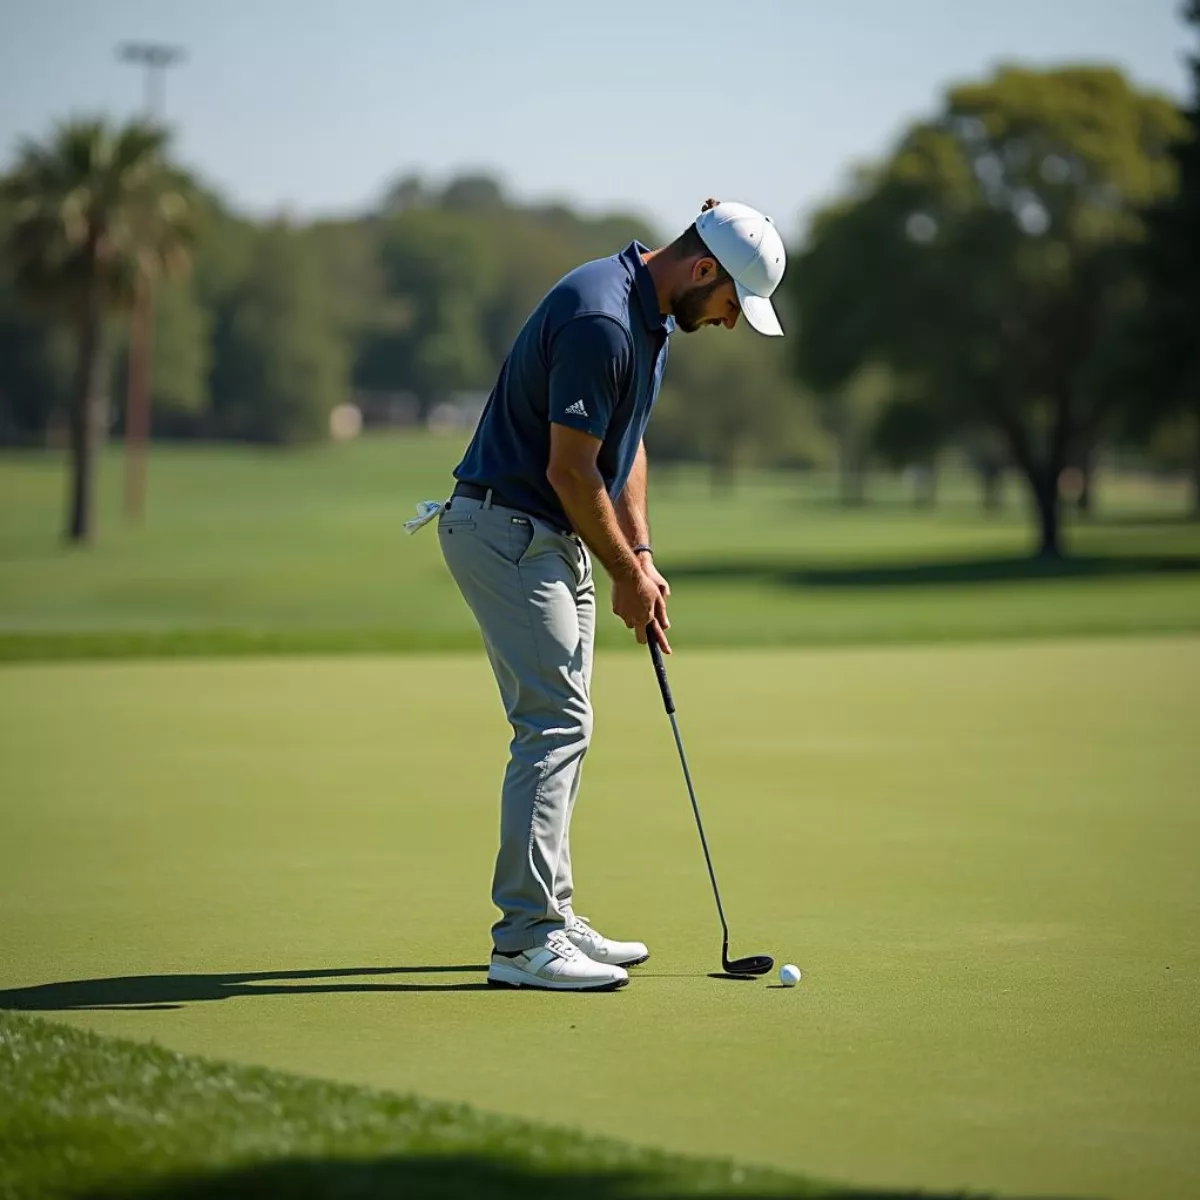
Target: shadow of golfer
(164, 992)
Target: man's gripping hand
(640, 598)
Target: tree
(908, 434)
(407, 192)
(843, 287)
(990, 258)
(35, 366)
(180, 360)
(473, 193)
(282, 365)
(349, 258)
(182, 353)
(727, 400)
(223, 266)
(94, 210)
(441, 268)
(1159, 356)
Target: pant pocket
(577, 556)
(522, 534)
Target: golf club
(754, 964)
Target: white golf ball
(789, 975)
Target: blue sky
(644, 105)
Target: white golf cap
(749, 247)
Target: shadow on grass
(1151, 519)
(871, 506)
(465, 1176)
(955, 572)
(164, 992)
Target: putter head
(755, 964)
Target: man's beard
(688, 307)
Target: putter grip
(659, 668)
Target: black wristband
(642, 548)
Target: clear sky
(632, 103)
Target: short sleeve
(590, 359)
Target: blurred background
(260, 265)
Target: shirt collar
(644, 286)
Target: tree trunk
(854, 487)
(1046, 488)
(853, 474)
(1042, 474)
(137, 401)
(1045, 494)
(87, 420)
(993, 489)
(1196, 466)
(720, 477)
(925, 486)
(1087, 475)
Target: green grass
(86, 1115)
(983, 858)
(253, 552)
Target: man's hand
(640, 599)
(664, 590)
(636, 599)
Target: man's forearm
(586, 501)
(631, 508)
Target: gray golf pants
(532, 593)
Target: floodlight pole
(154, 58)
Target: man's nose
(732, 319)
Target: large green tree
(990, 258)
(95, 209)
(1158, 360)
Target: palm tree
(97, 212)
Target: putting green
(983, 858)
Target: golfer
(557, 468)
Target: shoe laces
(561, 944)
(580, 925)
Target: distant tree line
(269, 325)
(1017, 280)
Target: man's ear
(704, 269)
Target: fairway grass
(252, 552)
(983, 859)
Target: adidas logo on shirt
(577, 409)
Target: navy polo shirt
(591, 356)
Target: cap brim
(760, 313)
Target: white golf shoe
(604, 950)
(557, 966)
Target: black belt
(472, 491)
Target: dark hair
(689, 244)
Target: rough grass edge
(68, 646)
(155, 1102)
